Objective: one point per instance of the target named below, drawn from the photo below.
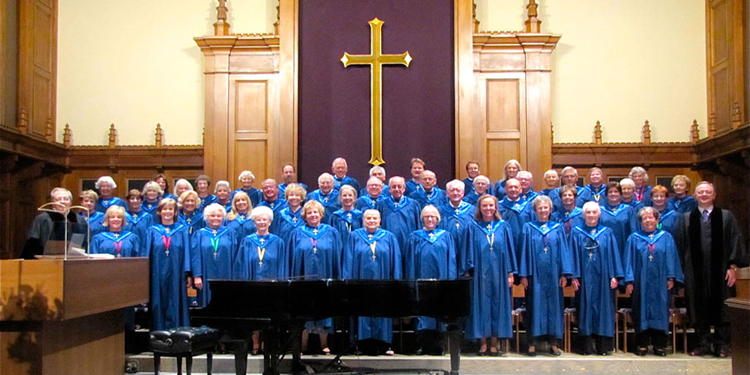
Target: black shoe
(660, 352)
(482, 354)
(555, 352)
(699, 352)
(603, 353)
(641, 352)
(419, 352)
(531, 354)
(723, 353)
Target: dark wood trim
(135, 157)
(13, 142)
(676, 154)
(725, 144)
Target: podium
(740, 309)
(67, 316)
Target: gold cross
(651, 236)
(315, 231)
(458, 225)
(294, 219)
(214, 232)
(166, 229)
(262, 240)
(544, 226)
(369, 236)
(591, 255)
(545, 250)
(117, 235)
(149, 206)
(189, 220)
(489, 226)
(376, 59)
(651, 258)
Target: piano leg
(272, 349)
(240, 357)
(454, 339)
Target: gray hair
(261, 211)
(646, 210)
(541, 199)
(222, 183)
(180, 182)
(456, 183)
(213, 207)
(105, 179)
(639, 170)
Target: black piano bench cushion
(184, 340)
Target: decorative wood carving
(112, 136)
(67, 135)
(23, 123)
(712, 125)
(474, 17)
(695, 134)
(221, 27)
(159, 135)
(533, 24)
(646, 132)
(598, 133)
(736, 116)
(49, 133)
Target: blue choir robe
(138, 223)
(684, 204)
(366, 202)
(170, 196)
(468, 185)
(401, 218)
(168, 249)
(596, 260)
(545, 257)
(670, 221)
(546, 192)
(194, 222)
(457, 221)
(384, 193)
(643, 194)
(373, 256)
(217, 250)
(430, 255)
(412, 186)
(435, 197)
(622, 220)
(286, 222)
(227, 205)
(241, 225)
(282, 188)
(471, 198)
(149, 206)
(329, 201)
(516, 214)
(500, 189)
(119, 244)
(275, 206)
(346, 222)
(205, 201)
(651, 259)
(262, 258)
(254, 194)
(569, 219)
(528, 196)
(316, 254)
(103, 204)
(346, 180)
(591, 194)
(491, 256)
(95, 222)
(557, 203)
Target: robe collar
(94, 216)
(572, 213)
(597, 194)
(430, 236)
(261, 241)
(489, 227)
(349, 216)
(462, 209)
(652, 237)
(135, 217)
(528, 196)
(544, 228)
(591, 232)
(290, 216)
(326, 199)
(116, 236)
(215, 233)
(242, 218)
(107, 202)
(317, 232)
(401, 203)
(168, 230)
(372, 203)
(678, 201)
(149, 206)
(191, 219)
(518, 206)
(614, 211)
(431, 196)
(370, 238)
(272, 205)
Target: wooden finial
(646, 132)
(49, 134)
(112, 136)
(474, 17)
(712, 125)
(551, 133)
(276, 24)
(598, 133)
(695, 134)
(159, 135)
(736, 115)
(23, 122)
(221, 27)
(66, 135)
(533, 24)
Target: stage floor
(619, 363)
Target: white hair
(569, 168)
(525, 173)
(61, 190)
(180, 182)
(152, 185)
(261, 211)
(212, 208)
(550, 172)
(483, 178)
(339, 159)
(455, 183)
(639, 170)
(222, 183)
(376, 168)
(246, 173)
(628, 182)
(373, 179)
(591, 205)
(325, 175)
(107, 179)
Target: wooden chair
(678, 317)
(569, 318)
(626, 315)
(518, 291)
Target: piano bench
(184, 342)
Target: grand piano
(238, 307)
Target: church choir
(594, 239)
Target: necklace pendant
(545, 250)
(260, 263)
(167, 252)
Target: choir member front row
(550, 253)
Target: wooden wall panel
(251, 106)
(500, 151)
(251, 155)
(503, 105)
(726, 63)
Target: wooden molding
(675, 154)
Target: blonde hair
(240, 194)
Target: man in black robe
(712, 249)
(50, 225)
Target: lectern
(66, 316)
(740, 308)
